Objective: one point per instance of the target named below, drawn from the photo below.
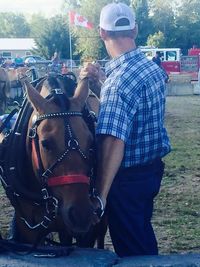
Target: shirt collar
(116, 62)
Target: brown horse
(13, 74)
(4, 90)
(50, 173)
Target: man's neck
(117, 47)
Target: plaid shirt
(132, 107)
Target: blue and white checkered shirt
(132, 107)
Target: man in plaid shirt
(131, 135)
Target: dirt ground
(177, 208)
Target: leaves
(13, 26)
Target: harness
(72, 144)
(13, 174)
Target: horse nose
(80, 219)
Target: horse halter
(71, 145)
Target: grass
(177, 208)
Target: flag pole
(70, 40)
(70, 47)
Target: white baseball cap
(112, 13)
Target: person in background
(55, 58)
(55, 65)
(1, 60)
(18, 61)
(64, 69)
(157, 59)
(131, 136)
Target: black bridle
(72, 142)
(45, 176)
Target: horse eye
(46, 144)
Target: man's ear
(135, 31)
(102, 34)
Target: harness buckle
(52, 206)
(58, 91)
(100, 210)
(46, 173)
(32, 133)
(45, 193)
(92, 114)
(45, 223)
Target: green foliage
(144, 22)
(37, 22)
(162, 15)
(54, 38)
(13, 26)
(188, 25)
(157, 39)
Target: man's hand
(90, 71)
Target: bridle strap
(68, 179)
(35, 154)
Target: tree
(188, 25)
(54, 38)
(36, 21)
(162, 16)
(157, 39)
(13, 26)
(144, 22)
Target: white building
(10, 47)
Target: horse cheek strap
(35, 158)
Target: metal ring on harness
(73, 144)
(99, 211)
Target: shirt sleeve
(113, 116)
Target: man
(157, 59)
(18, 61)
(131, 135)
(1, 60)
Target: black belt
(142, 167)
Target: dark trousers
(130, 208)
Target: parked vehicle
(174, 62)
(33, 59)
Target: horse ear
(82, 91)
(38, 102)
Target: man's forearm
(110, 155)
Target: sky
(46, 7)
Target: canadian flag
(78, 20)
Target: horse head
(60, 146)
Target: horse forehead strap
(38, 118)
(68, 179)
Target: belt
(142, 167)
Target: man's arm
(110, 155)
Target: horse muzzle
(77, 218)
